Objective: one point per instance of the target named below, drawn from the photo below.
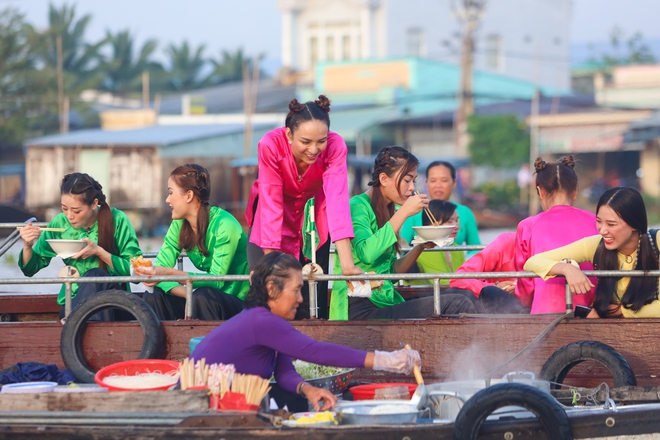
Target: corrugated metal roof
(155, 135)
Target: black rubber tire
(550, 413)
(563, 360)
(75, 325)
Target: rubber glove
(400, 361)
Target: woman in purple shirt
(260, 341)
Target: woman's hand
(30, 234)
(576, 280)
(151, 271)
(92, 249)
(415, 204)
(507, 286)
(593, 314)
(316, 395)
(399, 361)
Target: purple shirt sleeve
(278, 334)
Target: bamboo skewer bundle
(193, 374)
(220, 378)
(254, 388)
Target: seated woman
(215, 244)
(375, 245)
(495, 295)
(557, 185)
(440, 262)
(110, 237)
(263, 342)
(624, 243)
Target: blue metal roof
(160, 135)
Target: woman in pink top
(302, 160)
(495, 294)
(558, 225)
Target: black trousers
(208, 304)
(421, 307)
(87, 290)
(254, 254)
(496, 300)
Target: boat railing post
(436, 296)
(189, 303)
(313, 308)
(67, 299)
(569, 300)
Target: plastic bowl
(66, 248)
(367, 392)
(29, 387)
(132, 368)
(433, 233)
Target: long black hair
(275, 268)
(195, 178)
(88, 189)
(628, 204)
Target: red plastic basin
(367, 392)
(131, 368)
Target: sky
(255, 25)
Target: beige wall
(367, 78)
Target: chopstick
(428, 212)
(46, 229)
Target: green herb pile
(313, 371)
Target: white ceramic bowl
(66, 248)
(433, 233)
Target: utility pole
(60, 86)
(250, 91)
(145, 89)
(469, 14)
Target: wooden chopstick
(428, 212)
(46, 229)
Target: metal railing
(435, 277)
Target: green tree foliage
(122, 70)
(186, 64)
(230, 67)
(626, 50)
(26, 93)
(498, 141)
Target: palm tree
(230, 67)
(123, 70)
(185, 67)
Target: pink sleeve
(335, 187)
(475, 263)
(270, 207)
(524, 286)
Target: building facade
(517, 38)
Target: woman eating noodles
(110, 237)
(624, 243)
(301, 160)
(376, 244)
(215, 244)
(263, 343)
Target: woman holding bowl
(301, 160)
(110, 240)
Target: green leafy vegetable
(313, 371)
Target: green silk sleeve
(169, 253)
(407, 232)
(127, 245)
(369, 246)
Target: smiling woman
(302, 160)
(624, 243)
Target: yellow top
(583, 251)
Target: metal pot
(447, 398)
(358, 413)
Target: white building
(525, 39)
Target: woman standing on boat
(263, 342)
(559, 224)
(297, 162)
(110, 237)
(215, 244)
(375, 245)
(624, 243)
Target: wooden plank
(40, 303)
(450, 348)
(145, 401)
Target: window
(415, 42)
(494, 52)
(346, 47)
(313, 50)
(330, 48)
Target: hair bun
(323, 102)
(539, 164)
(295, 106)
(569, 161)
